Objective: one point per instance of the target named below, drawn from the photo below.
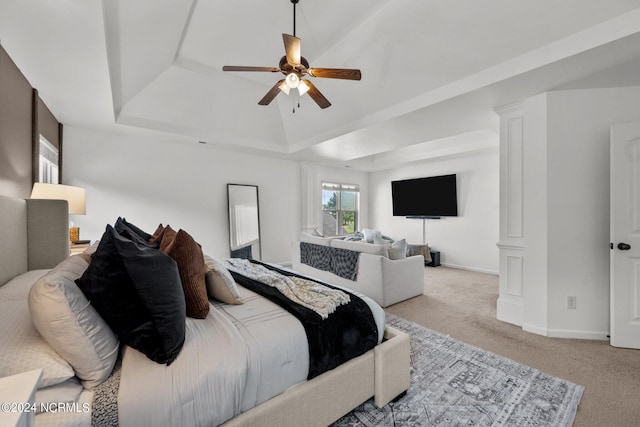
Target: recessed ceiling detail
(431, 71)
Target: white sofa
(384, 280)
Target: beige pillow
(69, 323)
(220, 283)
(398, 249)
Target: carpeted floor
(462, 304)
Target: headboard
(34, 234)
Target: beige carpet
(463, 304)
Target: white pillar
(512, 238)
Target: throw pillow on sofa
(369, 234)
(398, 249)
(137, 291)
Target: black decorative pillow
(132, 232)
(137, 291)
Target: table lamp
(75, 196)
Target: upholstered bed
(240, 365)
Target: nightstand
(77, 248)
(17, 397)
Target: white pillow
(70, 324)
(369, 235)
(398, 249)
(220, 283)
(378, 240)
(22, 348)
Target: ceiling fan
(295, 67)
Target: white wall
(467, 241)
(154, 180)
(567, 221)
(158, 180)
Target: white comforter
(232, 361)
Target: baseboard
(566, 333)
(477, 270)
(528, 327)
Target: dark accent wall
(15, 130)
(23, 117)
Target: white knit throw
(314, 296)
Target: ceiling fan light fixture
(284, 87)
(292, 80)
(303, 88)
(295, 67)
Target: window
(339, 208)
(48, 162)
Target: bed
(240, 365)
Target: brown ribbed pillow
(166, 238)
(188, 255)
(156, 237)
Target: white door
(625, 235)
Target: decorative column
(512, 240)
(309, 197)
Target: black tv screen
(431, 197)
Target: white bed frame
(38, 230)
(382, 373)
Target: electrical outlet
(571, 302)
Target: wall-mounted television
(433, 196)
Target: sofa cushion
(137, 291)
(368, 248)
(63, 316)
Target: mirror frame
(257, 256)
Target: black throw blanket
(347, 333)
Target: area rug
(456, 384)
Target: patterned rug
(455, 384)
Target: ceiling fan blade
(292, 49)
(315, 94)
(241, 68)
(273, 92)
(335, 73)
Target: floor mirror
(244, 221)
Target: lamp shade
(75, 196)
